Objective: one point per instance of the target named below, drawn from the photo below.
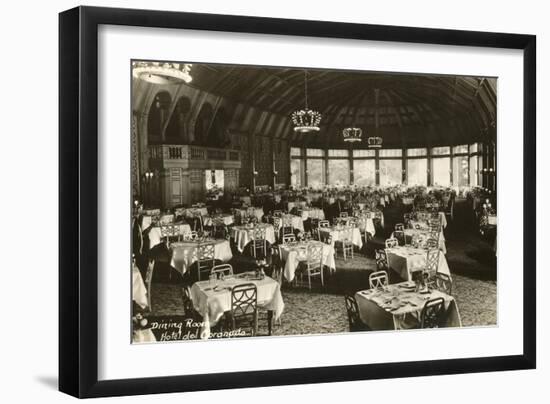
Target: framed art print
(358, 197)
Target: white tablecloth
(293, 253)
(299, 204)
(404, 260)
(212, 304)
(191, 212)
(257, 212)
(184, 253)
(225, 219)
(313, 213)
(296, 221)
(409, 233)
(155, 234)
(243, 235)
(424, 223)
(139, 291)
(397, 308)
(337, 233)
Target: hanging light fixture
(352, 135)
(374, 142)
(162, 73)
(306, 120)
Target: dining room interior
(278, 201)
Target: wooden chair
(149, 282)
(381, 260)
(443, 283)
(205, 259)
(322, 224)
(244, 307)
(432, 262)
(399, 227)
(400, 236)
(225, 269)
(286, 226)
(433, 313)
(344, 243)
(378, 279)
(314, 263)
(354, 320)
(391, 242)
(259, 241)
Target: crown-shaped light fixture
(306, 120)
(352, 135)
(374, 142)
(162, 73)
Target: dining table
(155, 234)
(312, 213)
(424, 234)
(184, 253)
(339, 232)
(257, 212)
(223, 219)
(242, 235)
(399, 306)
(295, 252)
(295, 221)
(424, 222)
(139, 291)
(212, 298)
(407, 259)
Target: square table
(397, 307)
(184, 253)
(406, 259)
(243, 234)
(338, 232)
(293, 253)
(211, 299)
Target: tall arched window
(158, 114)
(202, 125)
(176, 131)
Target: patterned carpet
(470, 258)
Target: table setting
(399, 306)
(294, 252)
(212, 298)
(184, 253)
(339, 231)
(243, 234)
(407, 259)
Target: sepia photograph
(282, 201)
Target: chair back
(277, 213)
(344, 214)
(244, 304)
(381, 260)
(205, 253)
(327, 239)
(400, 236)
(432, 261)
(443, 283)
(314, 256)
(352, 309)
(225, 269)
(378, 279)
(391, 242)
(288, 238)
(324, 223)
(399, 227)
(433, 313)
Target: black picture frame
(78, 208)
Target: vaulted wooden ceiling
(406, 110)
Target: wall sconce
(255, 173)
(275, 172)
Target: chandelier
(306, 120)
(374, 142)
(352, 135)
(162, 73)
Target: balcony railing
(189, 152)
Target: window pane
(440, 171)
(315, 152)
(295, 151)
(474, 148)
(315, 173)
(417, 152)
(364, 172)
(364, 153)
(460, 149)
(417, 172)
(296, 172)
(390, 172)
(338, 153)
(460, 171)
(438, 151)
(338, 172)
(473, 171)
(390, 153)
